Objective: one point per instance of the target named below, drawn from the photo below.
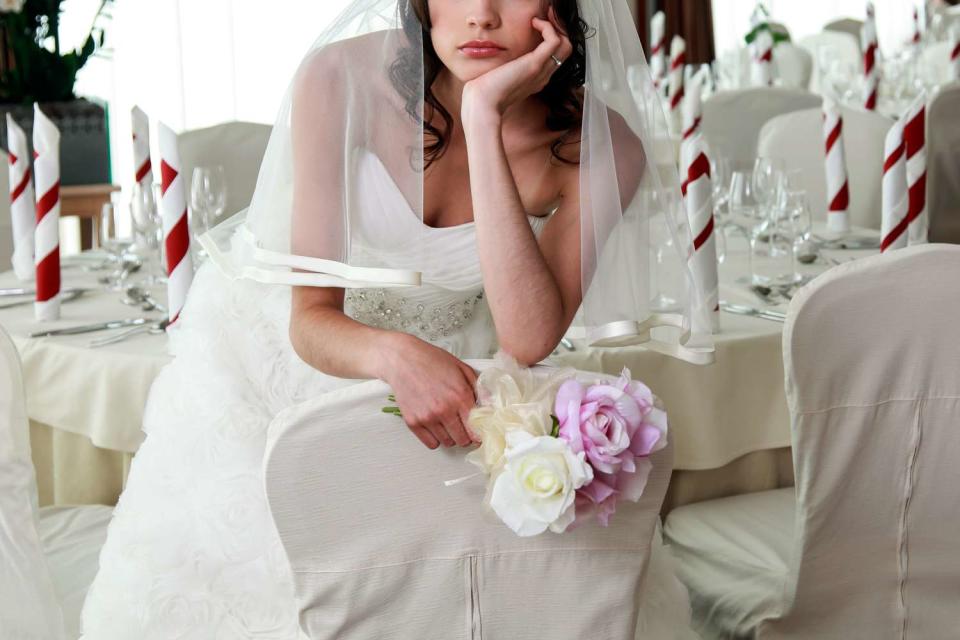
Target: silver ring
(557, 61)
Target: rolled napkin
(915, 145)
(176, 232)
(698, 201)
(46, 167)
(893, 231)
(23, 212)
(143, 168)
(915, 38)
(678, 60)
(761, 59)
(693, 104)
(838, 186)
(658, 51)
(955, 53)
(871, 70)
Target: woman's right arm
(434, 390)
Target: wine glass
(148, 229)
(743, 205)
(768, 176)
(208, 196)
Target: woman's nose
(483, 14)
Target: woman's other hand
(434, 391)
(496, 90)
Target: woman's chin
(468, 70)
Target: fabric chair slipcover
(943, 165)
(237, 146)
(48, 556)
(794, 65)
(842, 48)
(937, 64)
(381, 548)
(872, 550)
(6, 225)
(797, 138)
(732, 119)
(846, 25)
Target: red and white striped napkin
(915, 147)
(871, 70)
(835, 163)
(143, 168)
(658, 49)
(893, 230)
(761, 55)
(23, 205)
(915, 38)
(176, 231)
(675, 92)
(46, 167)
(698, 201)
(693, 104)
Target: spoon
(153, 329)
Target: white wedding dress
(191, 551)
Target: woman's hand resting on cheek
(495, 91)
(434, 391)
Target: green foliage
(29, 70)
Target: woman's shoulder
(353, 56)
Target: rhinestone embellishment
(385, 310)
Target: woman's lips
(481, 49)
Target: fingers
(425, 437)
(555, 45)
(456, 430)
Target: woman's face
(472, 37)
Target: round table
(729, 420)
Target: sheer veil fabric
(635, 239)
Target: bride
(446, 177)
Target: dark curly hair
(562, 94)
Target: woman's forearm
(523, 296)
(332, 342)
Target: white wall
(731, 19)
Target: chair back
(873, 389)
(797, 138)
(28, 603)
(943, 165)
(732, 119)
(794, 65)
(236, 146)
(832, 48)
(380, 548)
(846, 25)
(937, 64)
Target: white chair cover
(841, 47)
(936, 62)
(845, 25)
(381, 548)
(6, 226)
(797, 138)
(732, 119)
(943, 165)
(794, 65)
(28, 603)
(237, 146)
(874, 394)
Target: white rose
(537, 487)
(11, 6)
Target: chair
(846, 25)
(237, 146)
(732, 119)
(937, 64)
(866, 546)
(366, 525)
(797, 138)
(943, 165)
(6, 227)
(49, 556)
(834, 47)
(794, 65)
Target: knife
(743, 310)
(17, 291)
(65, 296)
(89, 328)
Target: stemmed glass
(148, 227)
(768, 178)
(208, 201)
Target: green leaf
(555, 431)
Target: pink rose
(617, 427)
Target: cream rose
(537, 486)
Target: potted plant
(33, 69)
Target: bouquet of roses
(558, 452)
